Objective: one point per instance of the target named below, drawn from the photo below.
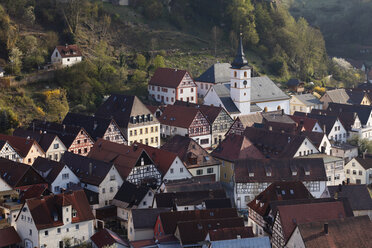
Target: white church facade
(244, 94)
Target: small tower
(240, 82)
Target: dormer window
(307, 173)
(251, 174)
(74, 213)
(261, 204)
(268, 174)
(294, 173)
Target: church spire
(240, 60)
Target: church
(233, 88)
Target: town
(250, 166)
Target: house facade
(135, 120)
(66, 219)
(8, 152)
(304, 103)
(169, 85)
(66, 56)
(359, 170)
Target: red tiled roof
(235, 147)
(167, 77)
(293, 215)
(278, 191)
(20, 144)
(43, 209)
(178, 116)
(9, 236)
(69, 51)
(106, 237)
(303, 121)
(33, 191)
(231, 233)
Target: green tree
(140, 61)
(153, 9)
(158, 62)
(15, 61)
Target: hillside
(122, 47)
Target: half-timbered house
(8, 152)
(97, 127)
(185, 121)
(169, 85)
(75, 139)
(133, 163)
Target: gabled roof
(235, 147)
(210, 112)
(264, 89)
(217, 73)
(272, 170)
(315, 137)
(169, 220)
(326, 121)
(195, 231)
(358, 195)
(131, 194)
(33, 191)
(106, 237)
(293, 215)
(122, 107)
(88, 170)
(167, 77)
(223, 92)
(338, 96)
(146, 217)
(45, 208)
(189, 151)
(9, 237)
(278, 191)
(67, 133)
(356, 96)
(294, 82)
(185, 198)
(49, 167)
(347, 118)
(346, 232)
(308, 99)
(179, 116)
(124, 157)
(192, 184)
(363, 111)
(69, 51)
(365, 161)
(20, 144)
(45, 140)
(304, 122)
(95, 126)
(218, 203)
(230, 233)
(18, 174)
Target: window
(210, 170)
(58, 230)
(199, 172)
(111, 189)
(141, 131)
(181, 170)
(354, 172)
(30, 233)
(171, 170)
(67, 229)
(245, 74)
(65, 176)
(79, 151)
(56, 146)
(144, 203)
(235, 74)
(77, 227)
(85, 140)
(112, 178)
(56, 189)
(103, 190)
(181, 91)
(360, 173)
(347, 171)
(46, 233)
(74, 213)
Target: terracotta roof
(189, 151)
(347, 232)
(122, 108)
(162, 159)
(278, 191)
(124, 157)
(195, 231)
(366, 161)
(44, 209)
(347, 118)
(231, 233)
(95, 126)
(358, 195)
(235, 147)
(66, 133)
(9, 236)
(131, 194)
(69, 51)
(106, 237)
(326, 121)
(82, 165)
(173, 199)
(290, 128)
(49, 169)
(34, 191)
(315, 137)
(272, 170)
(304, 123)
(20, 144)
(107, 213)
(18, 174)
(169, 220)
(167, 77)
(45, 140)
(165, 239)
(293, 215)
(179, 116)
(192, 184)
(146, 217)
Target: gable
(317, 128)
(187, 81)
(199, 120)
(58, 141)
(357, 165)
(306, 145)
(176, 166)
(295, 100)
(4, 186)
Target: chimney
(324, 128)
(282, 111)
(135, 147)
(66, 45)
(335, 196)
(95, 125)
(326, 228)
(90, 169)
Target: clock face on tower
(245, 82)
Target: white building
(66, 56)
(304, 103)
(359, 170)
(244, 94)
(8, 152)
(168, 85)
(55, 220)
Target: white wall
(56, 150)
(4, 186)
(108, 184)
(203, 88)
(64, 182)
(114, 134)
(273, 105)
(177, 171)
(295, 241)
(168, 94)
(199, 138)
(8, 152)
(335, 172)
(306, 148)
(352, 166)
(23, 226)
(341, 134)
(204, 171)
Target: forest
(122, 46)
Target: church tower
(240, 82)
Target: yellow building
(133, 117)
